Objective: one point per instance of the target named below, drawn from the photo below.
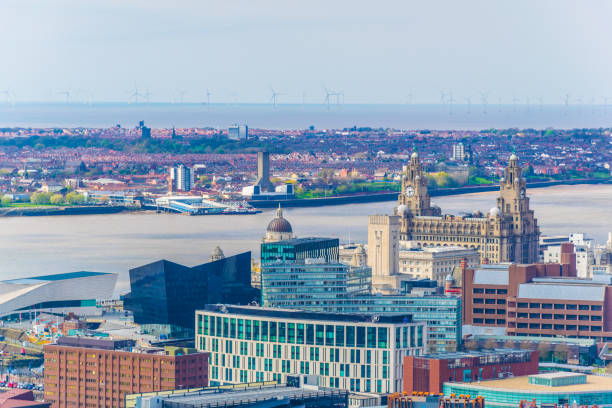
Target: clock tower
(414, 193)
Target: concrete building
(351, 352)
(458, 152)
(383, 252)
(87, 372)
(181, 178)
(508, 233)
(435, 263)
(353, 255)
(75, 292)
(583, 249)
(238, 132)
(559, 388)
(263, 172)
(428, 373)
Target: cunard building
(507, 233)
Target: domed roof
(217, 253)
(494, 212)
(414, 155)
(279, 224)
(513, 157)
(402, 209)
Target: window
(559, 327)
(502, 291)
(273, 331)
(291, 333)
(282, 332)
(534, 305)
(329, 335)
(350, 336)
(382, 337)
(340, 336)
(372, 337)
(490, 291)
(546, 316)
(559, 306)
(478, 301)
(264, 331)
(490, 301)
(596, 308)
(477, 310)
(571, 307)
(478, 290)
(310, 334)
(320, 334)
(256, 330)
(361, 336)
(300, 333)
(522, 304)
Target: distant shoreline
(295, 203)
(392, 196)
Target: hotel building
(352, 352)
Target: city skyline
(474, 53)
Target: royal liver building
(507, 233)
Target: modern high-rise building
(352, 352)
(238, 132)
(298, 249)
(508, 233)
(458, 152)
(88, 372)
(181, 178)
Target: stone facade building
(509, 232)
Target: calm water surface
(117, 242)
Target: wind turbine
(67, 94)
(451, 100)
(483, 99)
(605, 103)
(468, 101)
(274, 96)
(134, 95)
(181, 93)
(9, 96)
(207, 94)
(515, 100)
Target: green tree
(5, 201)
(40, 198)
(56, 199)
(74, 198)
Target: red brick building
(539, 299)
(86, 372)
(428, 373)
(20, 399)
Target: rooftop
(56, 277)
(298, 241)
(594, 383)
(476, 354)
(272, 312)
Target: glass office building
(299, 249)
(353, 352)
(302, 283)
(334, 288)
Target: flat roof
(55, 277)
(561, 291)
(297, 241)
(557, 374)
(472, 354)
(272, 312)
(595, 383)
(491, 277)
(235, 397)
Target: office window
(340, 336)
(256, 330)
(350, 336)
(240, 329)
(300, 333)
(282, 332)
(310, 334)
(329, 335)
(247, 326)
(361, 336)
(371, 333)
(264, 330)
(320, 334)
(291, 333)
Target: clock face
(409, 191)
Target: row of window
(490, 301)
(300, 333)
(570, 327)
(490, 291)
(556, 306)
(489, 321)
(556, 316)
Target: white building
(435, 263)
(181, 178)
(352, 352)
(584, 250)
(238, 132)
(61, 293)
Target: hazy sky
(375, 51)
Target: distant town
(136, 166)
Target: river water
(31, 246)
